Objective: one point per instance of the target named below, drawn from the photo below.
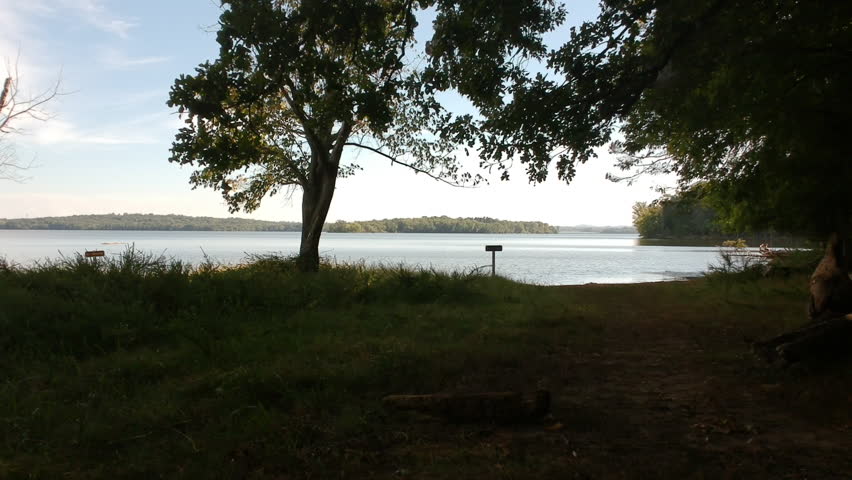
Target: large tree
(749, 97)
(297, 85)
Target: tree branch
(310, 135)
(404, 164)
(340, 141)
(11, 108)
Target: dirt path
(661, 408)
(656, 398)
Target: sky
(106, 145)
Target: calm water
(569, 258)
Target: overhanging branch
(404, 164)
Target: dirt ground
(654, 398)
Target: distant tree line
(597, 229)
(138, 221)
(694, 214)
(440, 225)
(676, 216)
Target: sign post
(494, 249)
(94, 253)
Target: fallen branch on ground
(507, 407)
(824, 339)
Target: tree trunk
(318, 189)
(315, 204)
(831, 287)
(829, 334)
(4, 95)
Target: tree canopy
(750, 97)
(676, 216)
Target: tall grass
(141, 363)
(82, 306)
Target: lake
(561, 259)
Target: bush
(795, 261)
(737, 262)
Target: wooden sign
(94, 253)
(494, 249)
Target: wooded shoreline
(152, 222)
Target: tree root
(825, 339)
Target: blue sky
(105, 148)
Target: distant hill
(149, 221)
(139, 221)
(598, 229)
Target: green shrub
(736, 263)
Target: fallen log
(824, 339)
(502, 407)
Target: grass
(146, 367)
(139, 362)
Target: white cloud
(16, 8)
(25, 44)
(116, 26)
(20, 44)
(57, 132)
(96, 14)
(19, 15)
(116, 59)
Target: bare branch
(10, 166)
(12, 109)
